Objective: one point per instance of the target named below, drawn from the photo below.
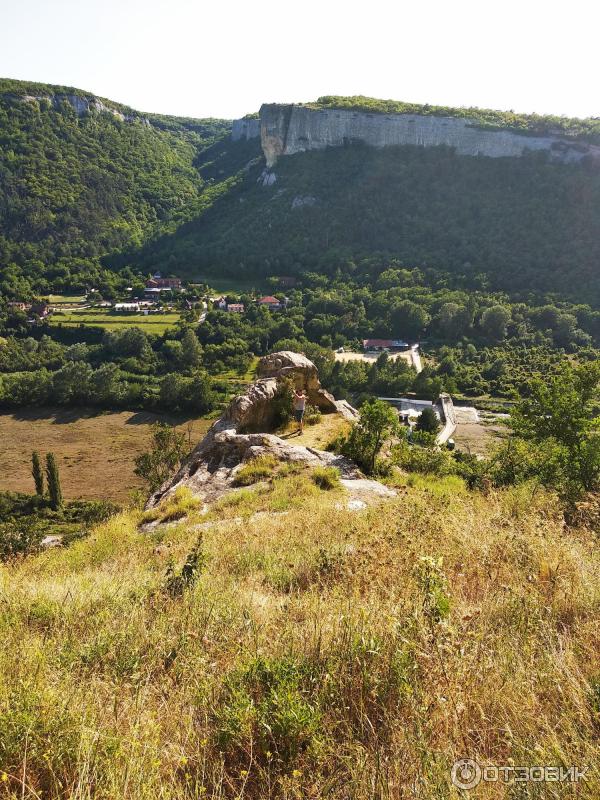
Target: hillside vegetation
(512, 224)
(79, 194)
(76, 188)
(266, 661)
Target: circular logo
(466, 773)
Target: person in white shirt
(299, 403)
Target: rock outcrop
(81, 104)
(238, 435)
(288, 129)
(245, 129)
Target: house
(40, 310)
(158, 282)
(235, 308)
(384, 344)
(272, 303)
(220, 303)
(152, 293)
(17, 306)
(127, 307)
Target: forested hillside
(75, 187)
(512, 224)
(94, 197)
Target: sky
(226, 57)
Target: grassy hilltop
(291, 664)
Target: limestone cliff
(288, 129)
(81, 105)
(245, 129)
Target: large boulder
(302, 371)
(241, 432)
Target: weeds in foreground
(320, 653)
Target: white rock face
(80, 104)
(303, 200)
(245, 129)
(293, 129)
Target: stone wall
(288, 129)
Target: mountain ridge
(90, 199)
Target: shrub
(326, 477)
(21, 536)
(168, 450)
(377, 421)
(255, 470)
(428, 421)
(178, 505)
(312, 415)
(281, 405)
(428, 460)
(177, 582)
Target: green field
(100, 318)
(65, 299)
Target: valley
(299, 449)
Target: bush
(427, 460)
(428, 421)
(312, 415)
(255, 470)
(376, 423)
(281, 404)
(326, 477)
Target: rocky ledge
(242, 434)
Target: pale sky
(225, 57)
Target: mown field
(95, 450)
(152, 323)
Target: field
(100, 318)
(66, 299)
(95, 451)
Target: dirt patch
(371, 358)
(477, 431)
(95, 451)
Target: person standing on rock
(299, 402)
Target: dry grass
(320, 653)
(95, 450)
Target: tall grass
(317, 653)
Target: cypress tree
(38, 475)
(53, 479)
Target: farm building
(384, 344)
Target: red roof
(269, 300)
(383, 343)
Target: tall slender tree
(37, 472)
(53, 478)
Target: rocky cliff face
(80, 104)
(288, 129)
(245, 129)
